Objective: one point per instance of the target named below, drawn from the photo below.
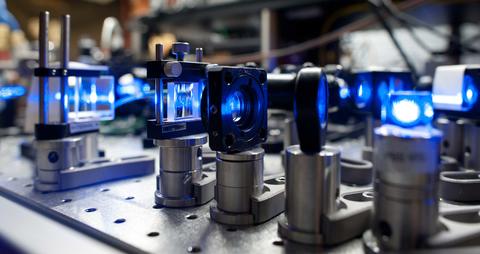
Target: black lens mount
(234, 109)
(311, 109)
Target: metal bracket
(202, 193)
(350, 220)
(264, 206)
(93, 172)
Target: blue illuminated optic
(13, 91)
(322, 102)
(239, 106)
(128, 85)
(344, 92)
(363, 93)
(409, 109)
(470, 92)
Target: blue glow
(383, 91)
(344, 92)
(13, 91)
(363, 93)
(470, 92)
(322, 102)
(128, 85)
(237, 106)
(408, 109)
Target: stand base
(297, 236)
(94, 172)
(263, 207)
(350, 220)
(203, 192)
(367, 153)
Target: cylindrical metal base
(312, 188)
(370, 124)
(471, 145)
(452, 141)
(180, 167)
(239, 176)
(406, 200)
(290, 137)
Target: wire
(376, 10)
(310, 44)
(411, 20)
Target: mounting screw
(180, 49)
(52, 157)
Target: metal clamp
(314, 213)
(242, 195)
(73, 162)
(181, 181)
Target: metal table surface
(124, 215)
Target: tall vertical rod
(43, 63)
(65, 47)
(158, 87)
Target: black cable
(376, 10)
(409, 29)
(412, 21)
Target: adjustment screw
(180, 49)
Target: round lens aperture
(236, 104)
(239, 105)
(322, 102)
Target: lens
(363, 93)
(406, 111)
(322, 103)
(470, 92)
(409, 109)
(239, 104)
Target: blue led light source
(372, 88)
(408, 109)
(322, 102)
(13, 91)
(470, 92)
(343, 92)
(363, 93)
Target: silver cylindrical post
(290, 137)
(158, 86)
(239, 176)
(180, 167)
(43, 63)
(406, 164)
(199, 54)
(312, 189)
(452, 141)
(369, 127)
(471, 145)
(65, 58)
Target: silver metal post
(198, 54)
(43, 63)
(158, 86)
(65, 46)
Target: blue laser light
(470, 92)
(363, 93)
(371, 89)
(322, 102)
(344, 93)
(408, 109)
(13, 91)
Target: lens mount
(311, 109)
(237, 108)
